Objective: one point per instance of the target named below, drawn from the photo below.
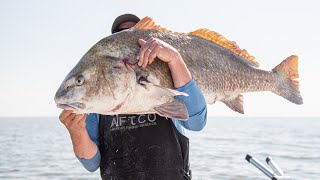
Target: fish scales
(107, 79)
(227, 73)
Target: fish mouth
(72, 106)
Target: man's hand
(153, 48)
(83, 146)
(75, 123)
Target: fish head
(101, 82)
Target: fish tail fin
(289, 87)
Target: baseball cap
(123, 18)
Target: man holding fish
(141, 146)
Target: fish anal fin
(235, 103)
(175, 109)
(147, 23)
(224, 42)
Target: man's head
(124, 21)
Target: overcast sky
(40, 42)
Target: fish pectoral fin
(235, 103)
(162, 91)
(175, 109)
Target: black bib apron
(138, 147)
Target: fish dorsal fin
(224, 42)
(147, 23)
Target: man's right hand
(75, 123)
(83, 146)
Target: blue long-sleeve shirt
(197, 110)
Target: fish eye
(80, 80)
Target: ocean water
(40, 148)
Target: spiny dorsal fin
(147, 23)
(224, 42)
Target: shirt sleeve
(92, 126)
(196, 106)
(91, 164)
